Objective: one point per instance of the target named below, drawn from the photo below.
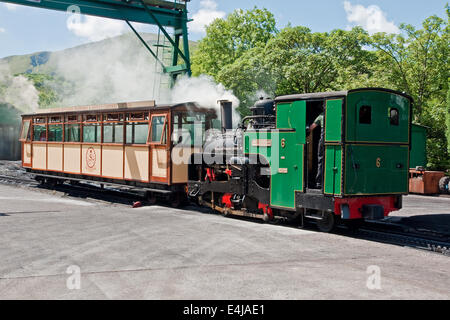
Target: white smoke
(114, 70)
(18, 91)
(205, 92)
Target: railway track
(385, 234)
(18, 179)
(380, 231)
(84, 190)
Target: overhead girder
(156, 12)
(114, 9)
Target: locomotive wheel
(151, 198)
(266, 217)
(327, 223)
(226, 212)
(51, 182)
(176, 201)
(40, 179)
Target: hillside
(111, 70)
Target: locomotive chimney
(226, 115)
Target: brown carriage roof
(119, 107)
(332, 94)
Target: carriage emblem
(91, 157)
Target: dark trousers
(319, 176)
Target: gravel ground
(157, 252)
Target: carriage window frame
(183, 123)
(67, 119)
(89, 122)
(27, 137)
(67, 125)
(365, 114)
(34, 131)
(394, 120)
(114, 120)
(40, 120)
(70, 121)
(163, 133)
(91, 118)
(130, 136)
(137, 117)
(55, 119)
(54, 125)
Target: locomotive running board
(228, 211)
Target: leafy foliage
(228, 39)
(247, 54)
(448, 120)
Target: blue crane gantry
(164, 14)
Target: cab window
(365, 115)
(393, 116)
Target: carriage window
(189, 129)
(91, 133)
(55, 119)
(90, 118)
(137, 133)
(55, 132)
(72, 119)
(114, 117)
(158, 129)
(113, 133)
(72, 133)
(365, 115)
(25, 134)
(394, 116)
(39, 133)
(137, 116)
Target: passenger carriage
(125, 144)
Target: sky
(26, 30)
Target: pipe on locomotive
(226, 117)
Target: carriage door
(159, 148)
(25, 138)
(333, 147)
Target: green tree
(247, 54)
(416, 62)
(249, 77)
(228, 39)
(296, 60)
(448, 120)
(311, 62)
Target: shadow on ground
(433, 222)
